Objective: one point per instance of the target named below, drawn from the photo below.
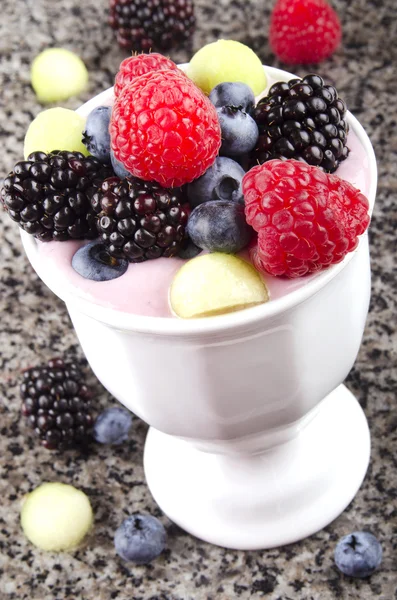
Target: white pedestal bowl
(254, 441)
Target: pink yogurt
(144, 288)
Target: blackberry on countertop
(56, 403)
(302, 119)
(48, 195)
(144, 25)
(139, 220)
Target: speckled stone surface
(35, 326)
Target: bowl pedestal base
(280, 496)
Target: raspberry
(306, 219)
(304, 31)
(137, 65)
(164, 129)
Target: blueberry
(96, 137)
(140, 539)
(239, 131)
(92, 261)
(112, 426)
(222, 181)
(219, 226)
(189, 250)
(235, 94)
(358, 554)
(118, 166)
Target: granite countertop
(35, 326)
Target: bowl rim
(206, 325)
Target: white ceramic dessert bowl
(256, 390)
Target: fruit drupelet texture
(48, 195)
(138, 220)
(140, 64)
(164, 129)
(306, 220)
(56, 404)
(144, 25)
(304, 31)
(303, 119)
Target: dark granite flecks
(35, 326)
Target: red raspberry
(164, 129)
(137, 65)
(304, 31)
(306, 219)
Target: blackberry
(302, 119)
(139, 220)
(56, 403)
(48, 195)
(144, 25)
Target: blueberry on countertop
(140, 539)
(358, 554)
(112, 426)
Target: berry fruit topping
(96, 136)
(304, 31)
(219, 226)
(235, 94)
(55, 402)
(358, 554)
(239, 131)
(139, 220)
(53, 130)
(226, 60)
(140, 539)
(113, 426)
(306, 220)
(215, 284)
(164, 129)
(48, 195)
(303, 119)
(222, 181)
(139, 64)
(56, 516)
(143, 25)
(189, 250)
(94, 262)
(58, 74)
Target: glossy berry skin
(139, 220)
(306, 220)
(93, 262)
(219, 226)
(164, 129)
(96, 136)
(145, 25)
(139, 64)
(239, 131)
(118, 167)
(236, 94)
(222, 181)
(112, 426)
(303, 119)
(358, 554)
(56, 404)
(140, 539)
(48, 195)
(304, 31)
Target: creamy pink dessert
(144, 288)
